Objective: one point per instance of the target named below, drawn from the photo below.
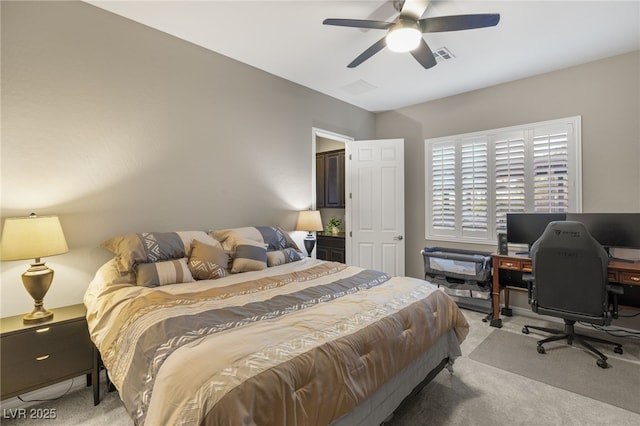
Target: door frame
(347, 140)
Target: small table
(33, 356)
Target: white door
(376, 168)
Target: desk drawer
(632, 278)
(514, 265)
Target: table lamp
(309, 220)
(34, 237)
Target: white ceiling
(288, 39)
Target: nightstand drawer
(45, 354)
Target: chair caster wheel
(496, 323)
(618, 350)
(601, 363)
(541, 349)
(525, 330)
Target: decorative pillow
(273, 236)
(208, 262)
(149, 247)
(163, 273)
(249, 256)
(280, 257)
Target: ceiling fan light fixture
(403, 37)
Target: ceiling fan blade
(458, 22)
(358, 23)
(375, 48)
(424, 55)
(413, 9)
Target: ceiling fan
(404, 34)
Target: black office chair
(569, 281)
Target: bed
(264, 335)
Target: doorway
(338, 206)
(373, 215)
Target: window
(473, 180)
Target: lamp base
(37, 316)
(309, 243)
(37, 280)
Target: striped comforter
(298, 344)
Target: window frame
(529, 132)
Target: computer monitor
(526, 228)
(611, 229)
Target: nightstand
(33, 356)
(331, 247)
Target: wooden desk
(619, 272)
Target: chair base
(570, 335)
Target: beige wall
(604, 93)
(119, 128)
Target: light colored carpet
(567, 367)
(481, 395)
(475, 394)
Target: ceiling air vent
(443, 54)
(358, 87)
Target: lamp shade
(32, 237)
(309, 220)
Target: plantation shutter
(473, 180)
(443, 188)
(550, 170)
(510, 176)
(474, 187)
